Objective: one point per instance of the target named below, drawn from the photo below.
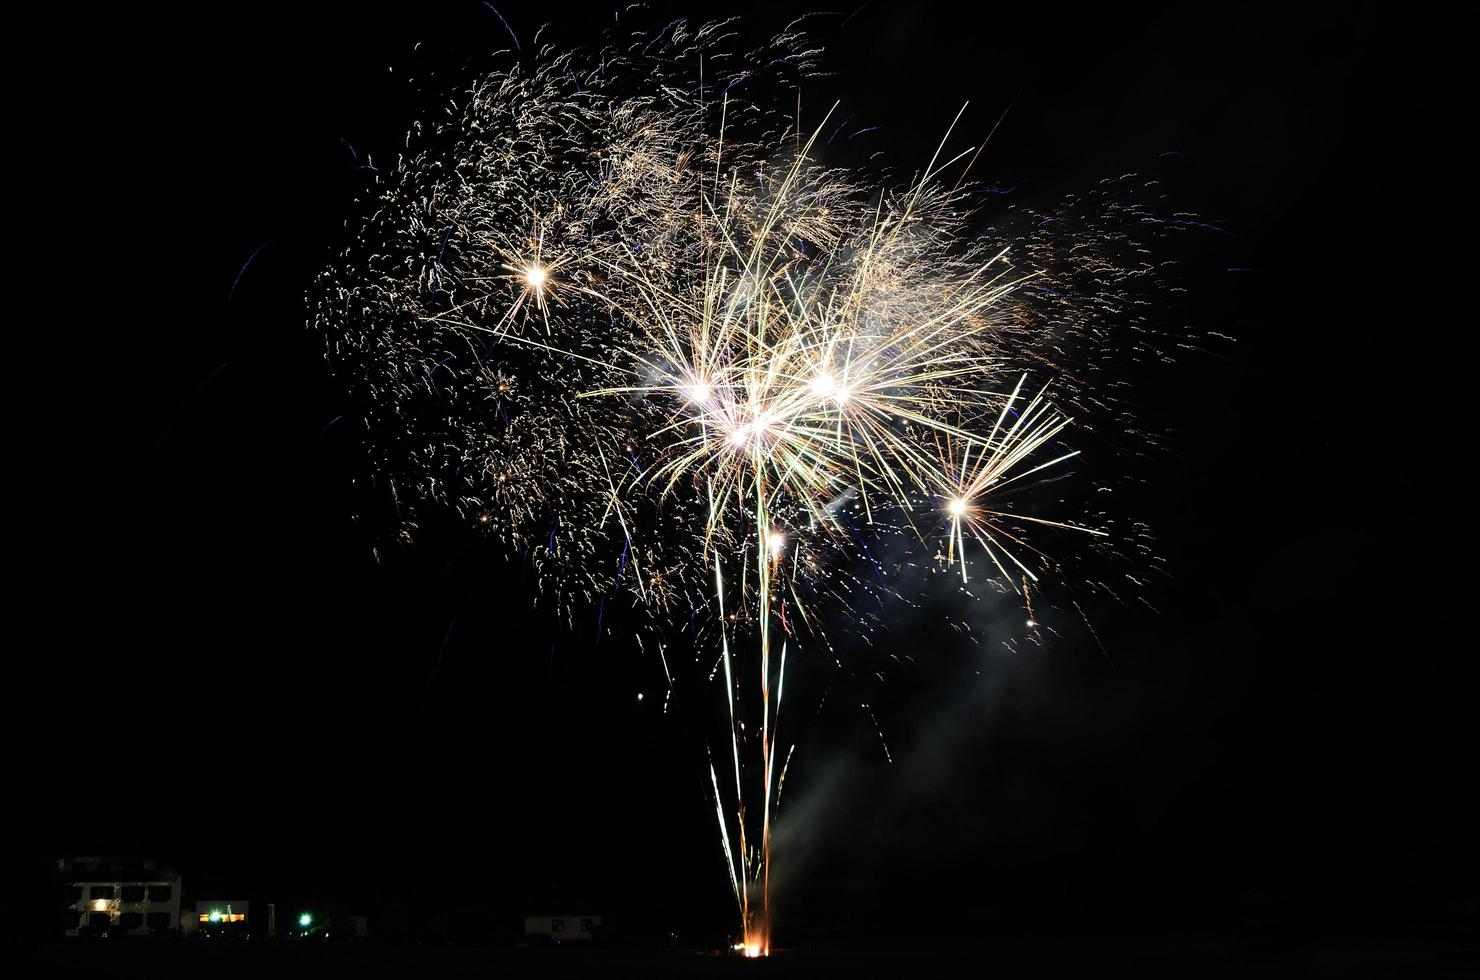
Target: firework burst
(626, 321)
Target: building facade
(120, 896)
(561, 928)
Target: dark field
(1374, 949)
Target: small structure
(120, 896)
(219, 917)
(560, 928)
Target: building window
(101, 891)
(131, 920)
(557, 925)
(74, 894)
(133, 893)
(585, 925)
(160, 893)
(159, 921)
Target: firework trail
(610, 308)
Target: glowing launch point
(776, 542)
(534, 277)
(956, 507)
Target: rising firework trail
(627, 321)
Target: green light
(305, 920)
(215, 916)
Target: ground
(1355, 950)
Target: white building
(120, 895)
(562, 927)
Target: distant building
(560, 928)
(120, 896)
(219, 916)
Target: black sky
(210, 667)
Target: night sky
(212, 668)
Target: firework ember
(622, 318)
